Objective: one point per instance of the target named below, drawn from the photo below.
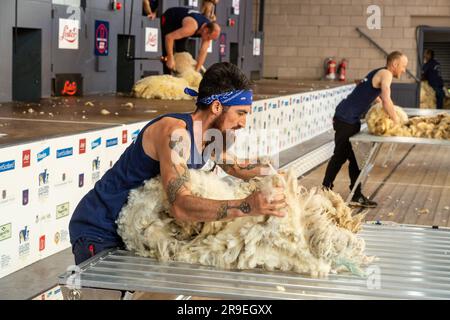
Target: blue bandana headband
(228, 99)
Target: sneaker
(362, 201)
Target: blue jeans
(85, 248)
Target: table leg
(367, 168)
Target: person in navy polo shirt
(431, 71)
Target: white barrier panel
(42, 182)
(290, 120)
(40, 185)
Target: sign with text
(151, 40)
(68, 34)
(101, 38)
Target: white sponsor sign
(68, 34)
(236, 7)
(210, 46)
(256, 46)
(151, 40)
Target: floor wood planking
(420, 182)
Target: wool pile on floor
(434, 127)
(169, 87)
(318, 234)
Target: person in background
(177, 25)
(149, 8)
(376, 86)
(209, 9)
(431, 71)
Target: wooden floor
(22, 122)
(413, 187)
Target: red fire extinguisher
(330, 65)
(342, 70)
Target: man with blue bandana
(169, 146)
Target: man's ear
(216, 108)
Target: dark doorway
(234, 53)
(125, 66)
(27, 64)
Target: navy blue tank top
(96, 214)
(358, 101)
(174, 18)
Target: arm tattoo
(222, 212)
(176, 184)
(245, 207)
(227, 167)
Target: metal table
(413, 263)
(376, 142)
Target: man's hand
(170, 63)
(259, 204)
(151, 16)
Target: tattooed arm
(244, 169)
(187, 207)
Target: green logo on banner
(5, 231)
(62, 210)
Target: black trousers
(167, 26)
(342, 152)
(440, 95)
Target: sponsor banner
(43, 154)
(26, 158)
(5, 232)
(111, 142)
(7, 165)
(52, 294)
(82, 146)
(151, 40)
(101, 38)
(68, 34)
(62, 210)
(96, 143)
(66, 152)
(256, 47)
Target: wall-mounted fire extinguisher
(342, 69)
(115, 5)
(330, 69)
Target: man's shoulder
(169, 124)
(384, 74)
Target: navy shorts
(85, 248)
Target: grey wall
(38, 14)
